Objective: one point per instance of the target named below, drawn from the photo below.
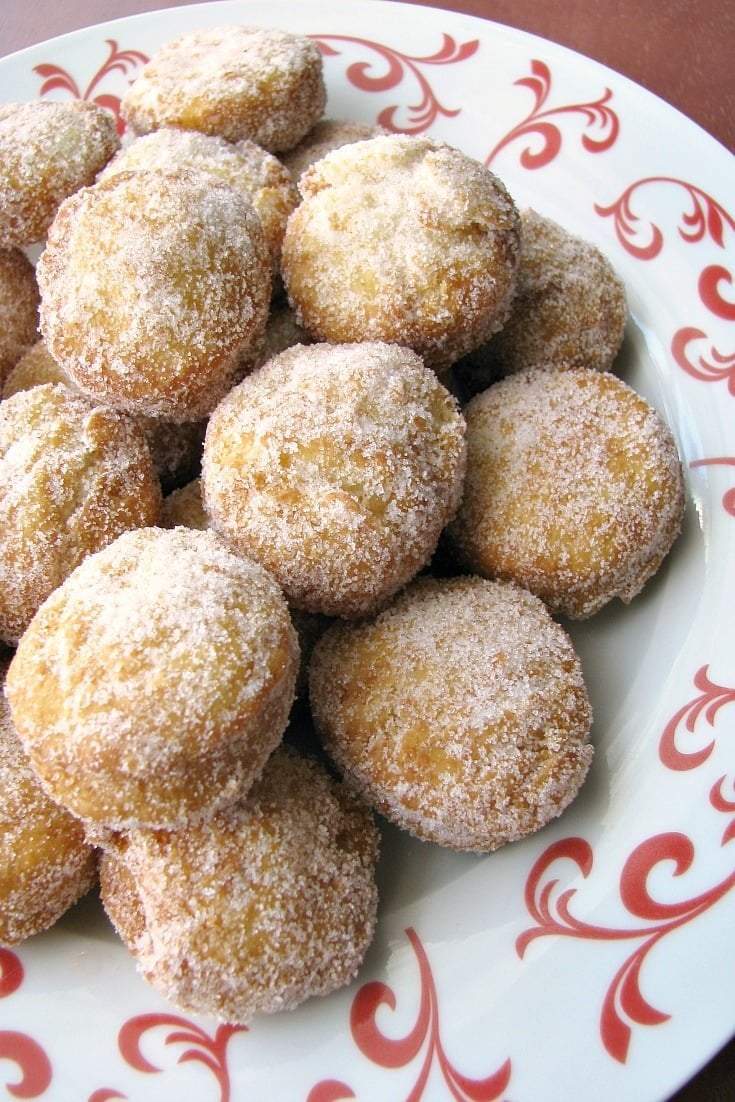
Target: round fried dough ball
(175, 447)
(45, 863)
(328, 134)
(570, 307)
(153, 288)
(154, 683)
(257, 908)
(574, 488)
(48, 151)
(460, 712)
(406, 240)
(260, 176)
(237, 82)
(73, 477)
(18, 308)
(336, 467)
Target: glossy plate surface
(596, 958)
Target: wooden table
(683, 51)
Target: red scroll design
(203, 1049)
(712, 368)
(422, 1044)
(624, 1004)
(728, 498)
(710, 698)
(398, 67)
(20, 1049)
(601, 122)
(125, 62)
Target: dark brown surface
(682, 51)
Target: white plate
(596, 958)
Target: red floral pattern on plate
(211, 1051)
(424, 1037)
(624, 1004)
(705, 218)
(20, 1049)
(125, 62)
(398, 66)
(601, 122)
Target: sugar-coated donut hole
(460, 712)
(235, 82)
(402, 239)
(73, 477)
(574, 488)
(48, 151)
(336, 467)
(154, 287)
(168, 666)
(258, 907)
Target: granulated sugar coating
(73, 477)
(260, 176)
(154, 286)
(47, 152)
(574, 488)
(18, 308)
(569, 310)
(236, 82)
(45, 863)
(336, 467)
(402, 239)
(175, 447)
(328, 134)
(257, 908)
(154, 683)
(459, 713)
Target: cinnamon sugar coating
(406, 240)
(328, 134)
(336, 467)
(574, 488)
(260, 176)
(48, 151)
(18, 308)
(569, 310)
(153, 684)
(234, 81)
(73, 477)
(154, 287)
(460, 712)
(46, 864)
(257, 908)
(175, 447)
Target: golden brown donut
(237, 82)
(257, 908)
(175, 448)
(153, 684)
(569, 310)
(402, 239)
(328, 134)
(46, 865)
(260, 176)
(459, 713)
(574, 488)
(48, 151)
(73, 476)
(18, 308)
(153, 288)
(336, 467)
